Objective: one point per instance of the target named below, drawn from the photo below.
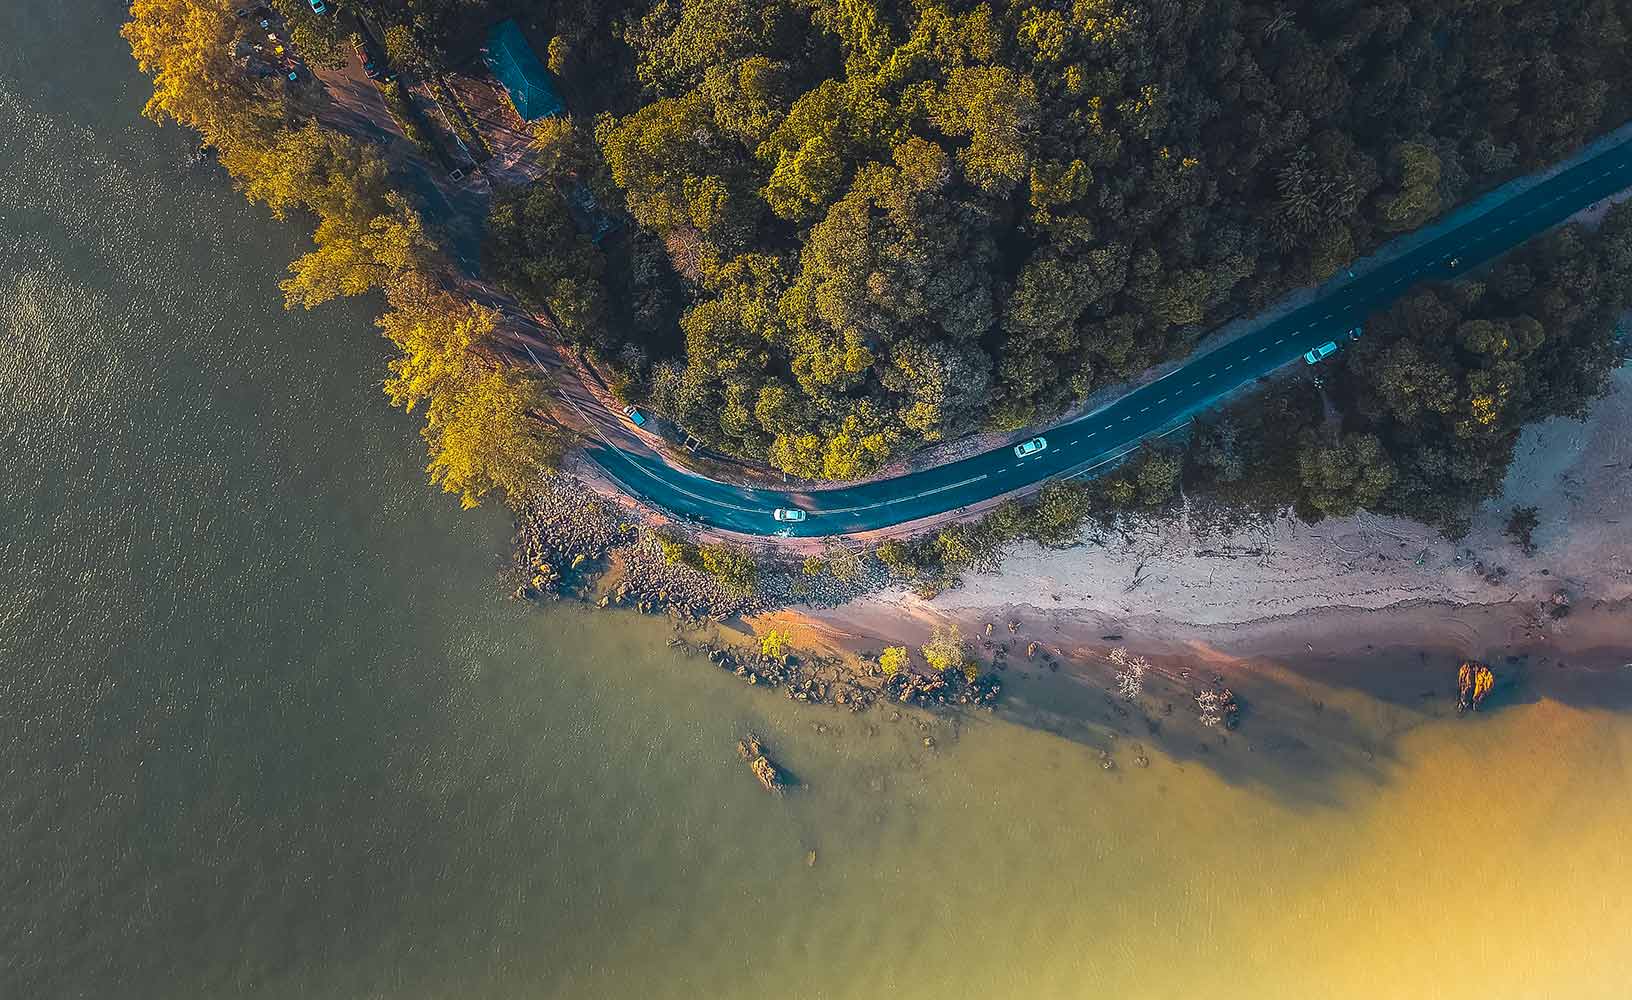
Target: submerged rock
(769, 775)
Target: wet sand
(1293, 733)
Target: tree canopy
(482, 414)
(896, 221)
(1431, 400)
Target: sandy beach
(1578, 474)
(1284, 613)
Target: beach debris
(769, 775)
(1217, 704)
(1130, 672)
(1474, 680)
(1560, 604)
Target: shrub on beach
(892, 660)
(774, 644)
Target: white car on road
(1026, 449)
(792, 515)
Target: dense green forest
(1420, 420)
(809, 258)
(1428, 405)
(889, 222)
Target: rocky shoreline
(571, 543)
(835, 681)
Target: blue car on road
(1317, 354)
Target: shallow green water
(268, 729)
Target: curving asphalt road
(1101, 437)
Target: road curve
(1099, 438)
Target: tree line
(1430, 402)
(1419, 420)
(823, 233)
(482, 416)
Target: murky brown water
(267, 729)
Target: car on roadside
(319, 7)
(1355, 333)
(635, 416)
(371, 65)
(1315, 355)
(789, 515)
(1026, 449)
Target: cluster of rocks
(651, 584)
(834, 682)
(783, 586)
(769, 775)
(1034, 650)
(565, 532)
(945, 689)
(819, 682)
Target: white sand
(1578, 473)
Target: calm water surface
(268, 729)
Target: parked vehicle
(371, 66)
(1355, 333)
(1316, 355)
(635, 416)
(792, 515)
(319, 7)
(1035, 446)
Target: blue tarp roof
(516, 66)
